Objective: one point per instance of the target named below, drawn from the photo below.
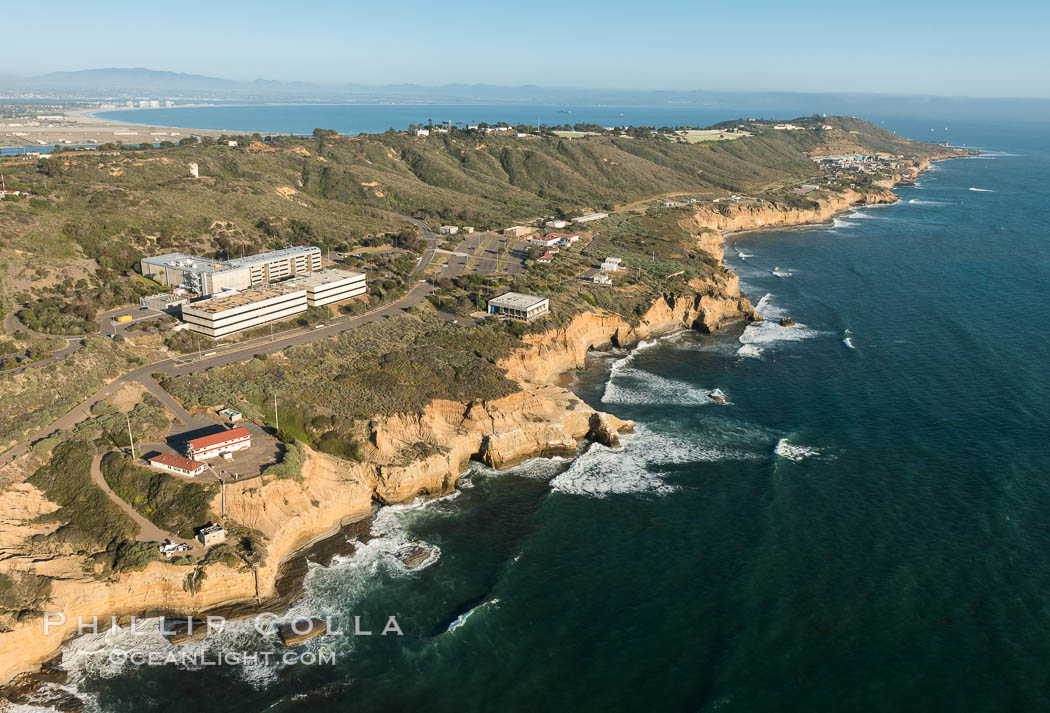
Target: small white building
(468, 229)
(564, 238)
(601, 278)
(520, 306)
(230, 415)
(556, 223)
(177, 464)
(449, 229)
(588, 217)
(211, 535)
(545, 241)
(611, 264)
(422, 132)
(231, 143)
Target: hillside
(104, 209)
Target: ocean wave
(841, 223)
(847, 339)
(792, 452)
(634, 386)
(637, 466)
(981, 190)
(916, 201)
(743, 255)
(780, 273)
(462, 618)
(758, 335)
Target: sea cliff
(407, 455)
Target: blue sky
(917, 47)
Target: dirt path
(149, 531)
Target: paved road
(221, 357)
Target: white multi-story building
(206, 276)
(226, 314)
(330, 286)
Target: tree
(325, 133)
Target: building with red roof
(177, 464)
(222, 443)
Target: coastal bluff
(407, 455)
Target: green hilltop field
(93, 214)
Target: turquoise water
(865, 528)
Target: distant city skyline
(936, 48)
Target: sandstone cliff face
(755, 216)
(409, 455)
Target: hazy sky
(960, 47)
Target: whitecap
(794, 452)
(462, 618)
(841, 223)
(636, 466)
(758, 335)
(634, 386)
(981, 190)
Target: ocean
(864, 526)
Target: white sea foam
(781, 273)
(758, 335)
(916, 201)
(794, 452)
(847, 339)
(981, 190)
(743, 255)
(636, 467)
(634, 386)
(841, 223)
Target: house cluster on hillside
(552, 243)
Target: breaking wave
(462, 618)
(847, 339)
(757, 336)
(794, 452)
(639, 465)
(982, 190)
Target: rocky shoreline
(314, 519)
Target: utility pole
(131, 438)
(198, 346)
(271, 332)
(276, 416)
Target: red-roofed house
(177, 464)
(545, 257)
(219, 444)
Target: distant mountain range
(138, 83)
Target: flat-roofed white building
(330, 286)
(226, 314)
(206, 276)
(279, 264)
(611, 264)
(588, 217)
(520, 306)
